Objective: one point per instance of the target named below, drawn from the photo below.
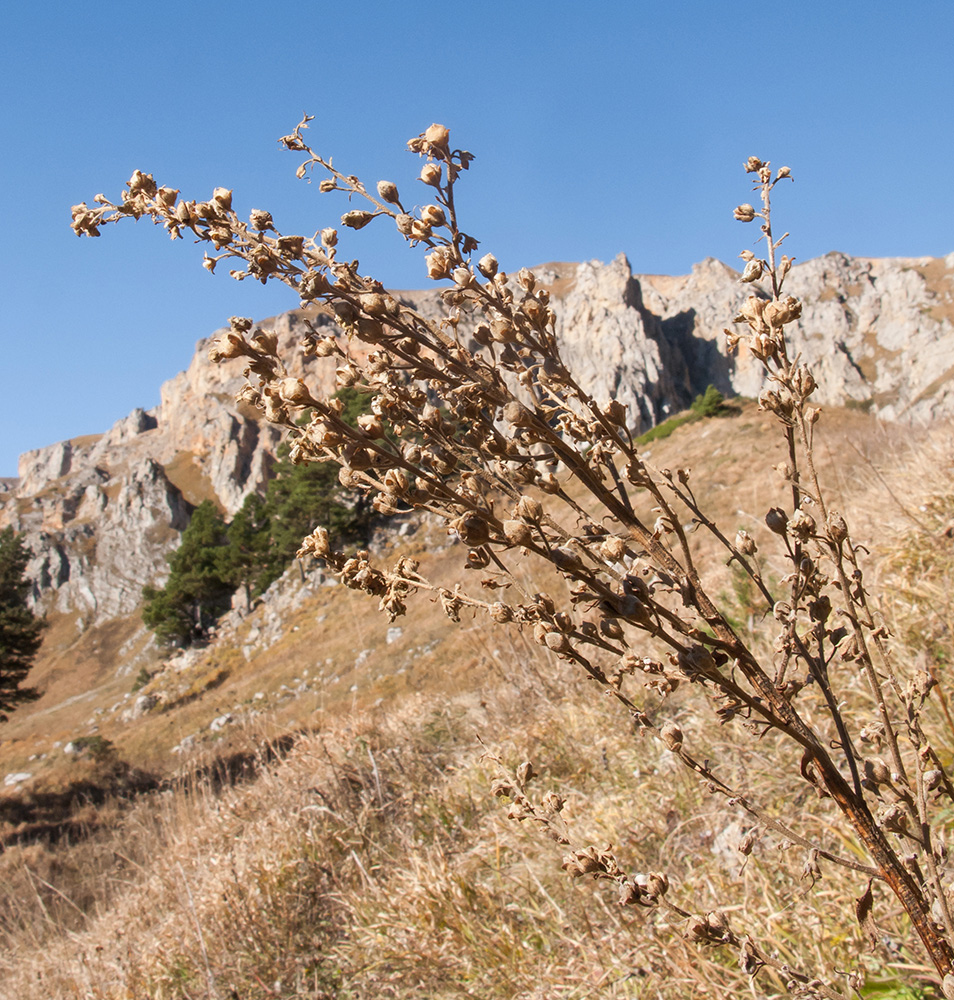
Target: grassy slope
(375, 841)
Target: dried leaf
(863, 907)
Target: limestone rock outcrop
(98, 539)
(614, 346)
(102, 512)
(878, 334)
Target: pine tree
(20, 629)
(214, 559)
(266, 532)
(198, 589)
(296, 500)
(247, 554)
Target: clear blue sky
(598, 128)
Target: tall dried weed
(476, 419)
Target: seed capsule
(387, 191)
(752, 272)
(438, 264)
(745, 543)
(744, 213)
(517, 533)
(473, 529)
(517, 414)
(611, 628)
(616, 413)
(229, 345)
(786, 310)
(437, 135)
(371, 425)
(356, 219)
(776, 520)
(295, 391)
(877, 771)
(260, 220)
(718, 924)
(528, 509)
(802, 525)
(557, 642)
(487, 265)
(433, 215)
(837, 527)
(431, 174)
(671, 735)
(613, 548)
(932, 779)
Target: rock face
(102, 512)
(615, 347)
(878, 334)
(98, 537)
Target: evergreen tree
(198, 589)
(266, 533)
(710, 404)
(246, 554)
(214, 559)
(299, 498)
(20, 629)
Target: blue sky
(598, 128)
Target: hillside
(102, 512)
(879, 335)
(383, 787)
(119, 720)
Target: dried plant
(476, 420)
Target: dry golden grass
(372, 860)
(187, 475)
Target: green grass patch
(711, 403)
(666, 428)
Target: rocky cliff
(877, 333)
(102, 512)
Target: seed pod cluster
(474, 419)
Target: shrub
(142, 679)
(710, 404)
(97, 747)
(476, 419)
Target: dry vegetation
(371, 860)
(748, 777)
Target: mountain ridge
(102, 511)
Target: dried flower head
(261, 220)
(387, 191)
(744, 213)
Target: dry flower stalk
(477, 420)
